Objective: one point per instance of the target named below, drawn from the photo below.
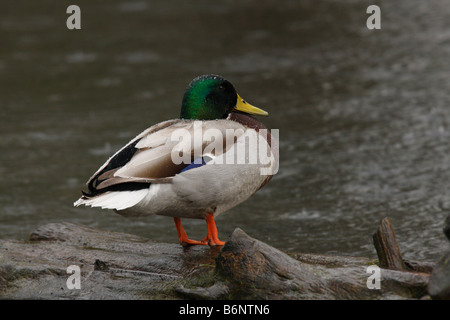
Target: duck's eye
(222, 87)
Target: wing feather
(148, 158)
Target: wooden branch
(389, 255)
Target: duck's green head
(211, 97)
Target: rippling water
(363, 114)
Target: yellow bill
(246, 107)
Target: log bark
(113, 265)
(260, 271)
(389, 255)
(121, 266)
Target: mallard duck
(146, 176)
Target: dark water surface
(364, 115)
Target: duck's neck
(246, 120)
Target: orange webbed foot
(213, 236)
(182, 236)
(189, 242)
(211, 239)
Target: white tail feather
(118, 200)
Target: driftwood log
(121, 266)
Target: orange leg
(213, 236)
(184, 240)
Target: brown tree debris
(388, 251)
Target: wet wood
(259, 271)
(389, 255)
(121, 266)
(113, 265)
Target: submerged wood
(121, 266)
